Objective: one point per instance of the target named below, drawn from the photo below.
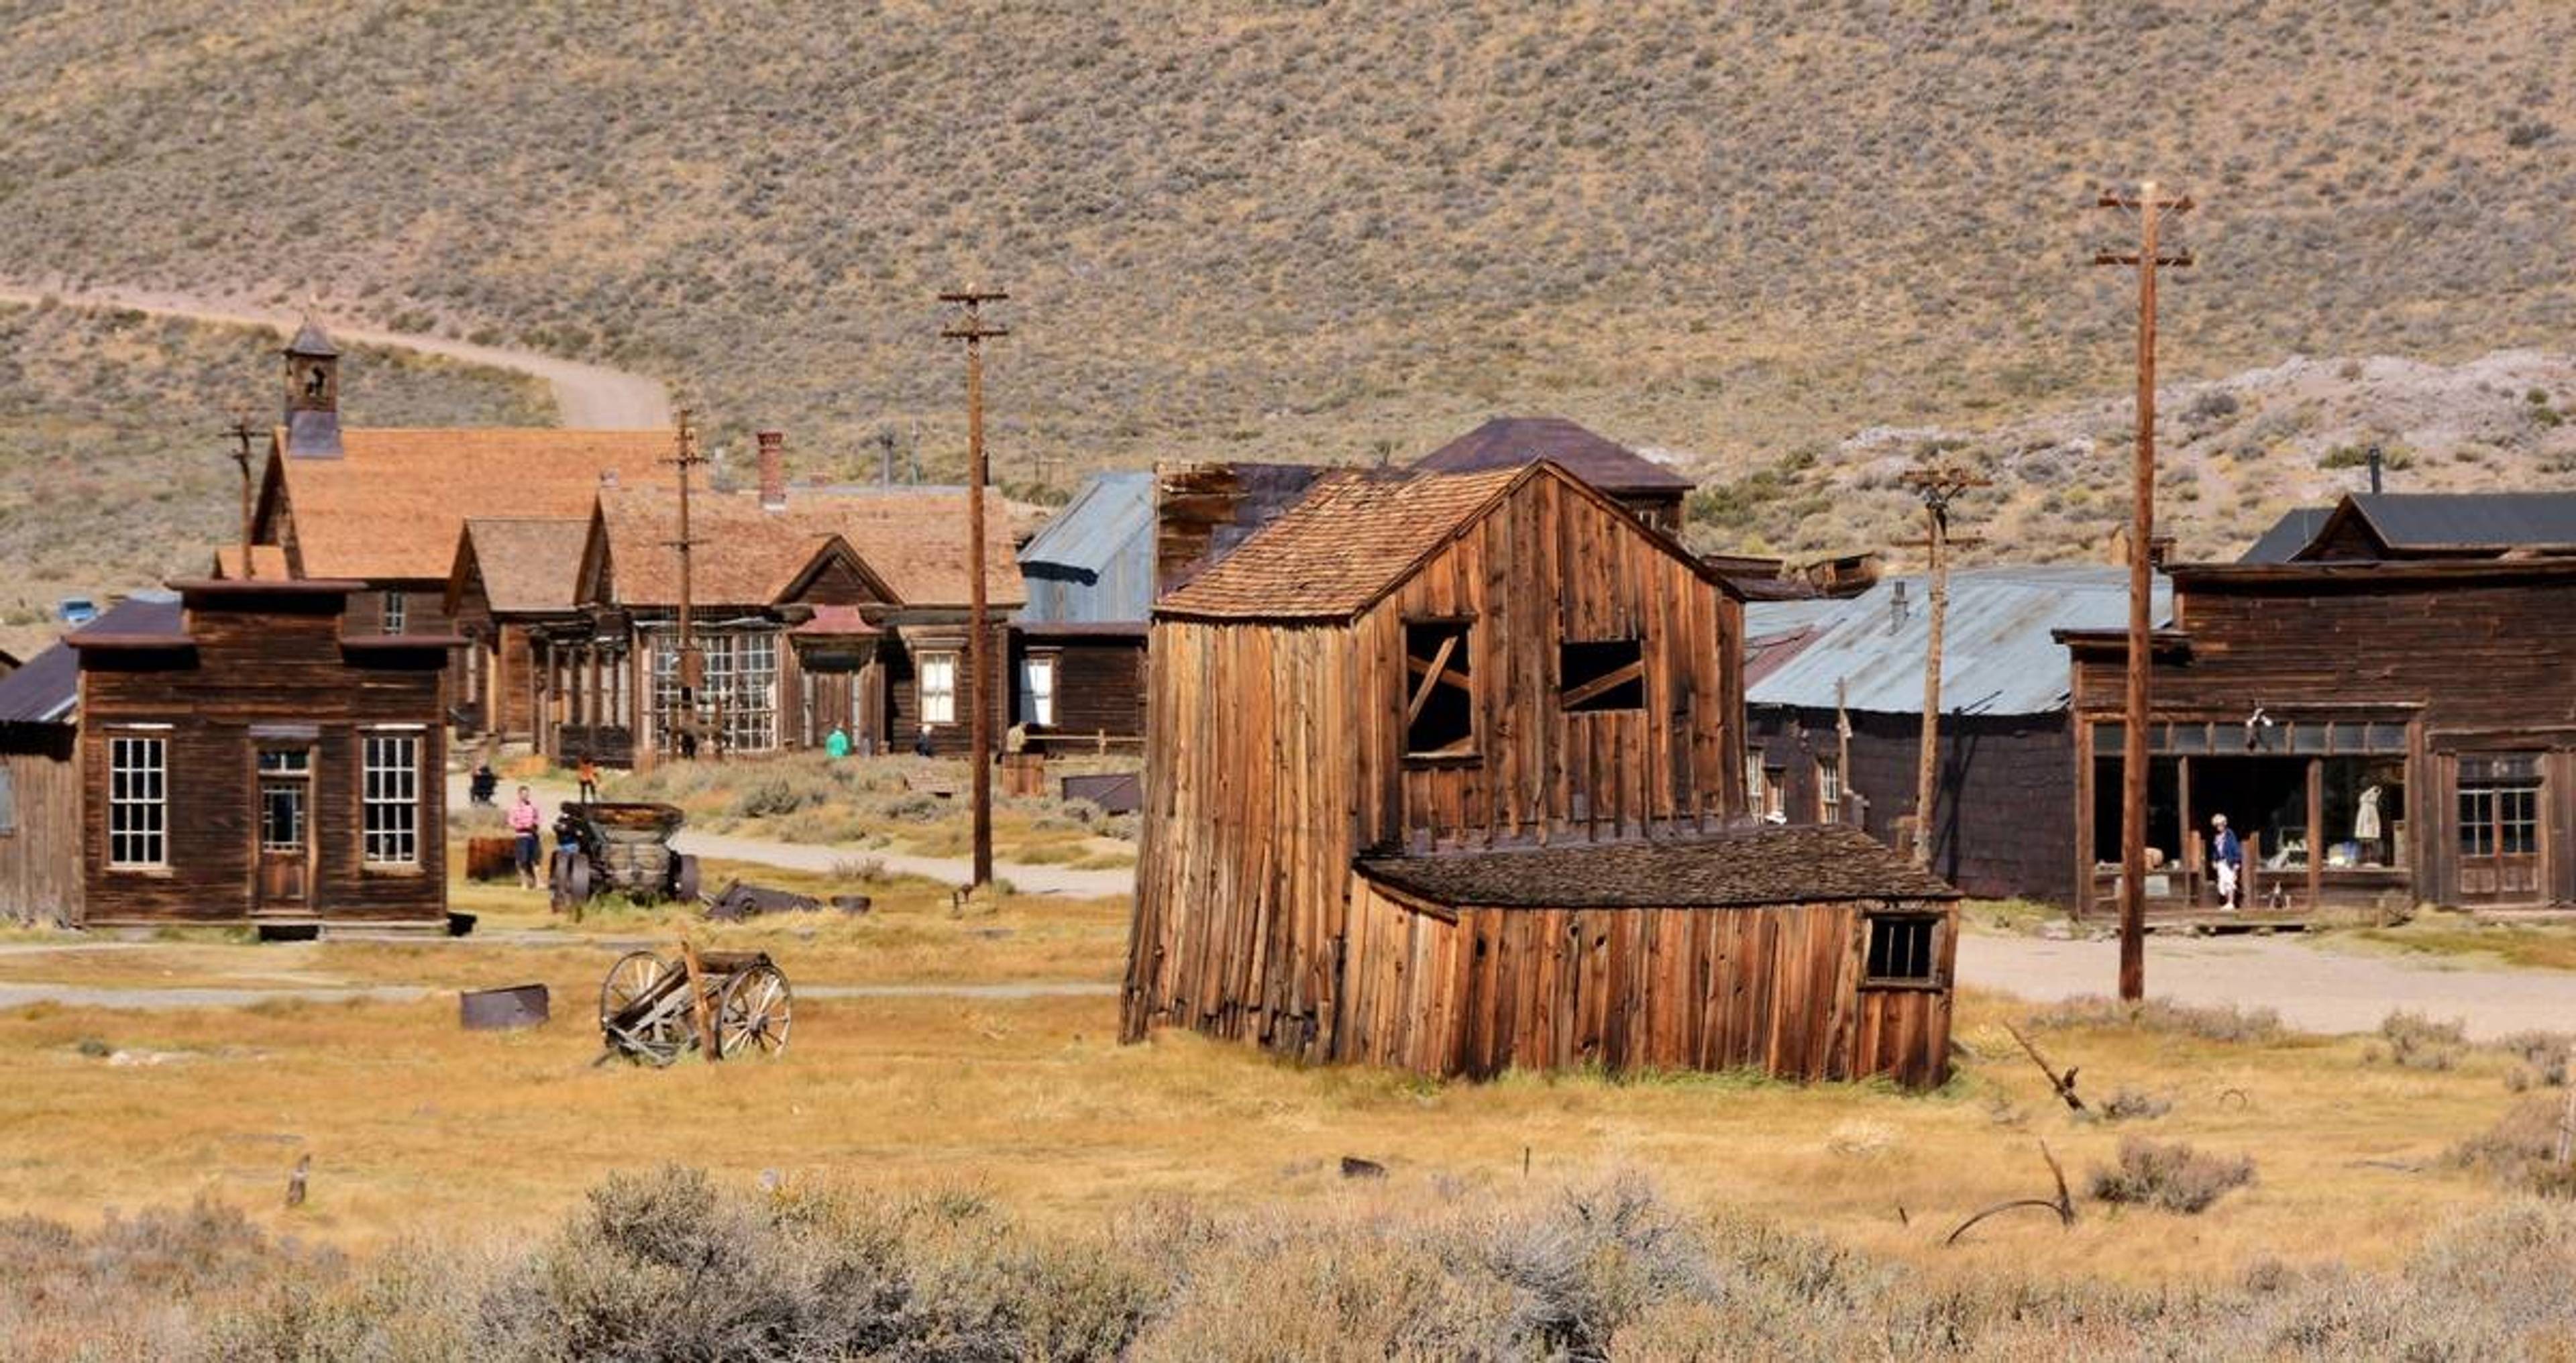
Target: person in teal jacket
(837, 746)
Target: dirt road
(2314, 988)
(587, 396)
(20, 993)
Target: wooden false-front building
(253, 761)
(513, 579)
(1444, 773)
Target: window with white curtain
(1041, 690)
(938, 688)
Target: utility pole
(1938, 485)
(2147, 259)
(971, 328)
(241, 433)
(691, 664)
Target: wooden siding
(40, 862)
(2007, 790)
(1099, 688)
(1477, 991)
(279, 663)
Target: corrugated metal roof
(2470, 520)
(44, 691)
(1093, 562)
(1997, 656)
(2288, 535)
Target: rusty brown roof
(393, 503)
(913, 542)
(1353, 538)
(528, 563)
(268, 558)
(1815, 864)
(1516, 441)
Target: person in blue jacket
(2227, 859)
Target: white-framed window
(1040, 670)
(8, 801)
(1753, 783)
(395, 616)
(1829, 789)
(392, 800)
(739, 686)
(138, 802)
(938, 688)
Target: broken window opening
(1440, 695)
(1900, 950)
(1598, 675)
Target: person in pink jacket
(523, 822)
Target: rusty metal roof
(1998, 656)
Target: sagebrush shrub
(2169, 1175)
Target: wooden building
(2383, 732)
(812, 610)
(1653, 491)
(1078, 646)
(1427, 743)
(251, 760)
(1834, 717)
(40, 788)
(384, 507)
(514, 577)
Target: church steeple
(312, 393)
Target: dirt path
(587, 396)
(2313, 989)
(820, 859)
(20, 993)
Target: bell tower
(312, 393)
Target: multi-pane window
(1041, 691)
(739, 689)
(2499, 806)
(1901, 950)
(1829, 789)
(938, 688)
(394, 614)
(1753, 802)
(138, 811)
(392, 799)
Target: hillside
(1320, 230)
(113, 468)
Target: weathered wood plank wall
(40, 863)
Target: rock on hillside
(2232, 454)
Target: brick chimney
(773, 471)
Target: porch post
(2316, 833)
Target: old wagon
(621, 847)
(655, 1009)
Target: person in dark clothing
(2226, 860)
(921, 742)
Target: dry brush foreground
(975, 1177)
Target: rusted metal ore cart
(622, 847)
(726, 1003)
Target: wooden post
(692, 666)
(2316, 833)
(1842, 748)
(241, 433)
(971, 329)
(2185, 864)
(2133, 739)
(1937, 487)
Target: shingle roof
(45, 690)
(1517, 441)
(1814, 864)
(1350, 541)
(2428, 522)
(1094, 560)
(392, 505)
(913, 542)
(2288, 535)
(527, 563)
(270, 559)
(1997, 653)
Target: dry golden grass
(2550, 947)
(415, 1125)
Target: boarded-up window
(1901, 949)
(1440, 692)
(1594, 675)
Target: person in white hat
(2227, 857)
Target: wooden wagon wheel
(753, 1013)
(632, 1012)
(684, 880)
(576, 881)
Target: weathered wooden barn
(2388, 718)
(40, 788)
(513, 578)
(384, 507)
(248, 759)
(1653, 491)
(1079, 644)
(1834, 717)
(813, 609)
(1444, 772)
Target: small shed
(1079, 644)
(40, 795)
(1805, 953)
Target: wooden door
(2499, 809)
(284, 830)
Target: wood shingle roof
(528, 563)
(912, 542)
(1814, 864)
